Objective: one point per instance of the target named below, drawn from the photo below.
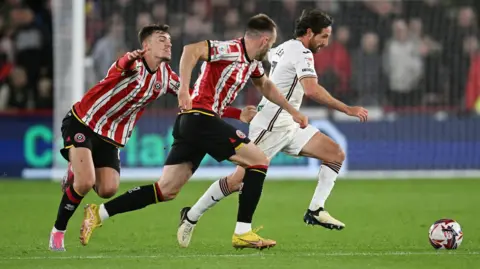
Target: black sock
(134, 199)
(70, 201)
(251, 192)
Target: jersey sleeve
(258, 72)
(232, 113)
(173, 83)
(304, 65)
(124, 64)
(222, 51)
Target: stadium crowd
(398, 54)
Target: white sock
(243, 227)
(326, 180)
(103, 212)
(54, 230)
(216, 192)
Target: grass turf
(387, 226)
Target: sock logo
(215, 200)
(69, 207)
(134, 189)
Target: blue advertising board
(407, 143)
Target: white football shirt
(290, 62)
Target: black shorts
(199, 133)
(76, 134)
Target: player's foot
(322, 218)
(67, 178)
(91, 221)
(57, 241)
(185, 229)
(252, 240)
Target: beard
(165, 59)
(261, 55)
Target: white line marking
(369, 254)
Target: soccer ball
(445, 234)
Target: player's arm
(320, 95)
(126, 62)
(270, 91)
(192, 53)
(245, 115)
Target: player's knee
(84, 184)
(340, 154)
(107, 191)
(169, 195)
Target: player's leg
(309, 142)
(68, 178)
(170, 183)
(106, 159)
(256, 164)
(78, 145)
(214, 194)
(270, 143)
(182, 161)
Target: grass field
(387, 226)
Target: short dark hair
(260, 23)
(314, 19)
(148, 30)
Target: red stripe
(265, 167)
(71, 197)
(159, 192)
(238, 88)
(94, 94)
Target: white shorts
(290, 142)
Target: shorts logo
(79, 138)
(241, 134)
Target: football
(445, 234)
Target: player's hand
(248, 113)
(136, 54)
(184, 100)
(359, 112)
(301, 119)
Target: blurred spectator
(367, 77)
(18, 91)
(472, 91)
(109, 48)
(333, 64)
(404, 66)
(30, 44)
(233, 25)
(457, 56)
(159, 12)
(45, 94)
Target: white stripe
(238, 80)
(128, 127)
(165, 79)
(106, 97)
(134, 107)
(226, 74)
(245, 79)
(257, 254)
(114, 108)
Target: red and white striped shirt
(225, 73)
(112, 107)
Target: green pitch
(386, 227)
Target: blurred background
(414, 64)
